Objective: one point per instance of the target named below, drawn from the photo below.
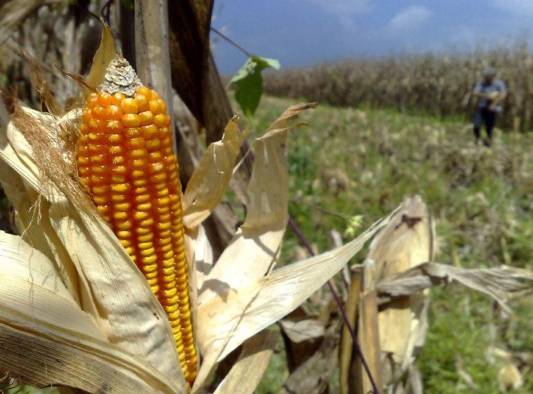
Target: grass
(350, 162)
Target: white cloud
(518, 7)
(410, 18)
(344, 10)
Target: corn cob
(126, 163)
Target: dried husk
(42, 324)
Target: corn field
(435, 84)
(144, 230)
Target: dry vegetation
(433, 84)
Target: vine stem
(307, 245)
(231, 42)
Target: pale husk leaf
(105, 53)
(47, 339)
(405, 243)
(255, 247)
(120, 295)
(243, 313)
(246, 373)
(211, 178)
(500, 283)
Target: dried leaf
(500, 283)
(104, 55)
(406, 242)
(211, 178)
(247, 372)
(241, 314)
(258, 240)
(312, 377)
(47, 339)
(13, 14)
(302, 330)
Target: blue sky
(304, 32)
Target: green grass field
(347, 163)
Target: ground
(348, 163)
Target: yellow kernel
(113, 125)
(92, 100)
(146, 237)
(145, 245)
(147, 267)
(147, 252)
(133, 132)
(138, 153)
(170, 293)
(168, 263)
(125, 225)
(119, 197)
(161, 120)
(168, 255)
(122, 206)
(164, 240)
(149, 259)
(140, 215)
(137, 142)
(142, 101)
(171, 308)
(131, 120)
(146, 117)
(166, 248)
(129, 106)
(118, 179)
(137, 174)
(114, 138)
(143, 230)
(151, 275)
(158, 178)
(120, 187)
(119, 170)
(113, 112)
(162, 192)
(149, 131)
(83, 160)
(140, 182)
(99, 190)
(123, 234)
(141, 198)
(115, 150)
(143, 90)
(155, 156)
(116, 160)
(100, 200)
(120, 215)
(138, 163)
(144, 207)
(146, 222)
(153, 144)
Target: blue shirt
(488, 88)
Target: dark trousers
(484, 116)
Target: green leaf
(248, 82)
(26, 389)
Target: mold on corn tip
(120, 77)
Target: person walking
(490, 93)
